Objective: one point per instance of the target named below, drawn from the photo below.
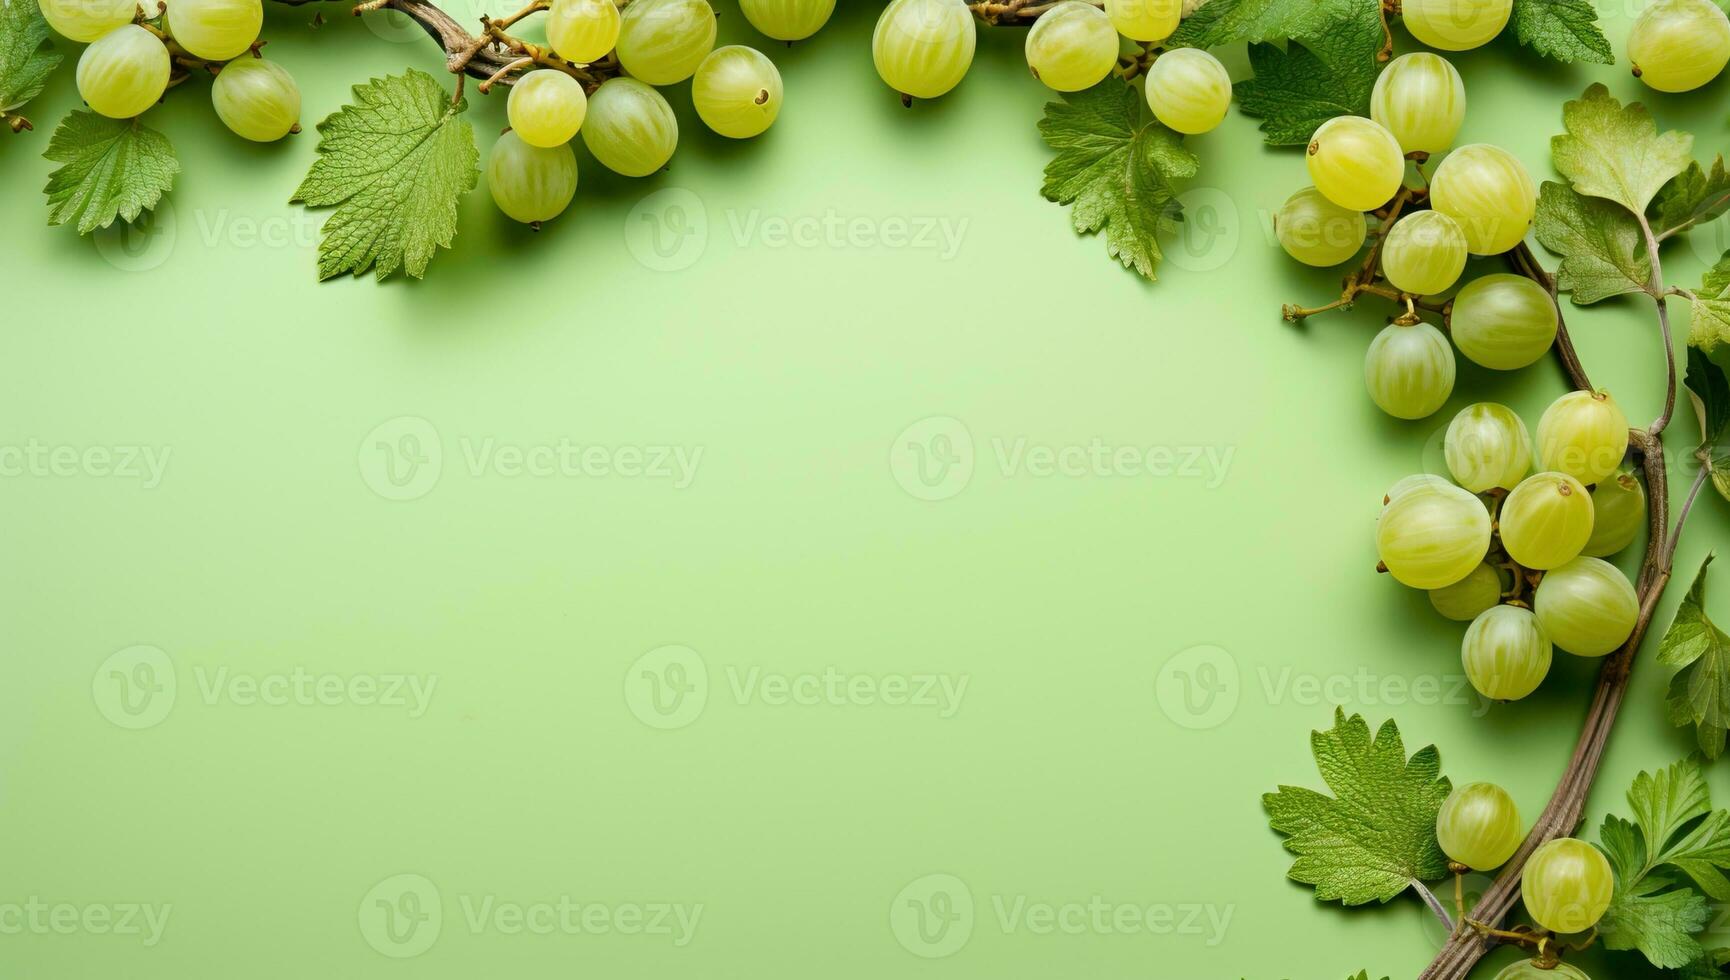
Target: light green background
(795, 369)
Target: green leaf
(26, 56)
(1710, 307)
(1700, 689)
(1299, 88)
(1377, 834)
(1566, 30)
(1614, 151)
(1658, 919)
(393, 165)
(1710, 392)
(110, 168)
(1692, 197)
(1600, 244)
(1708, 967)
(1115, 170)
(1220, 22)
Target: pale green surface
(1059, 599)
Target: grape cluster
(626, 123)
(923, 49)
(136, 51)
(1566, 883)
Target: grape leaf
(1700, 689)
(1220, 22)
(26, 56)
(1600, 244)
(1377, 835)
(1709, 390)
(1114, 170)
(109, 168)
(1692, 197)
(393, 165)
(1711, 308)
(1566, 30)
(1614, 151)
(1655, 909)
(1306, 84)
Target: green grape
(1583, 434)
(1678, 45)
(1072, 46)
(1486, 447)
(531, 183)
(1455, 25)
(630, 128)
(1420, 99)
(1588, 607)
(1506, 655)
(1145, 20)
(1567, 885)
(215, 30)
(1479, 825)
(737, 92)
(1355, 162)
(1487, 190)
(923, 48)
(257, 99)
(583, 31)
(1413, 482)
(1189, 90)
(546, 108)
(1546, 520)
(124, 72)
(1503, 321)
(1409, 370)
(1619, 512)
(663, 41)
(788, 20)
(1318, 232)
(1433, 535)
(1465, 599)
(87, 20)
(1531, 970)
(1424, 253)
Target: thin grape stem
(1655, 286)
(1682, 515)
(1014, 13)
(1434, 903)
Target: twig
(1434, 903)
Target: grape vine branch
(1566, 809)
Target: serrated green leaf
(1306, 84)
(1709, 390)
(1710, 308)
(1602, 250)
(393, 164)
(1220, 22)
(1114, 170)
(1710, 966)
(1692, 197)
(1658, 919)
(1700, 689)
(109, 168)
(26, 57)
(1566, 30)
(1615, 152)
(1377, 834)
